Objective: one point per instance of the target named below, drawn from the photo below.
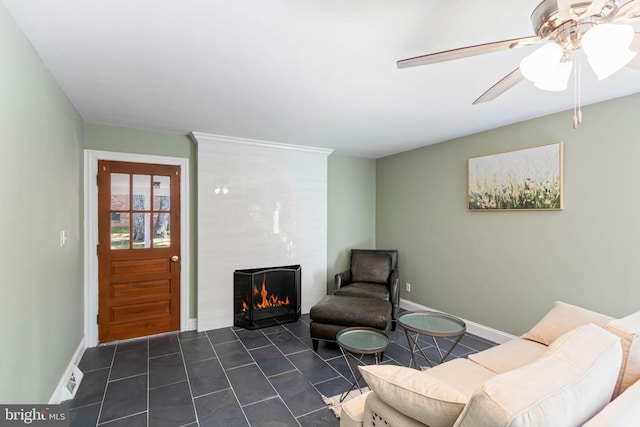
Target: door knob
(175, 258)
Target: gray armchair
(373, 273)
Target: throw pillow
(415, 394)
(561, 319)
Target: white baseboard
(56, 397)
(472, 327)
(193, 324)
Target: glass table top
(432, 323)
(362, 340)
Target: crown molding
(203, 138)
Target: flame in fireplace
(266, 300)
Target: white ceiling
(308, 72)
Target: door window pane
(161, 230)
(141, 235)
(119, 191)
(161, 193)
(141, 192)
(120, 230)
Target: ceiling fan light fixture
(557, 77)
(546, 69)
(607, 64)
(607, 48)
(537, 64)
(603, 38)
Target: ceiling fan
(598, 27)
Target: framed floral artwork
(528, 179)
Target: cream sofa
(573, 367)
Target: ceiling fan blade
(507, 82)
(464, 52)
(628, 12)
(635, 46)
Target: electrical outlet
(407, 287)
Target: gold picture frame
(526, 179)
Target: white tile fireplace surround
(260, 204)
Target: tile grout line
(294, 365)
(224, 371)
(148, 382)
(186, 373)
(106, 386)
(267, 378)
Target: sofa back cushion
(622, 412)
(370, 267)
(510, 355)
(567, 386)
(628, 329)
(561, 319)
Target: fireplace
(266, 296)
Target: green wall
(41, 303)
(351, 198)
(125, 140)
(505, 269)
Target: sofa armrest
(342, 279)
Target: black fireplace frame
(265, 317)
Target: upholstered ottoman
(334, 313)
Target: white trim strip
(56, 397)
(472, 327)
(200, 137)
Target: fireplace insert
(266, 296)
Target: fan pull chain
(577, 94)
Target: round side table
(355, 344)
(432, 324)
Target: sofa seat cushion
(624, 411)
(561, 319)
(628, 329)
(511, 355)
(567, 386)
(430, 399)
(370, 267)
(364, 290)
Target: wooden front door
(138, 249)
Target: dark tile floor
(224, 377)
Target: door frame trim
(91, 158)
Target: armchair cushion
(371, 268)
(364, 290)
